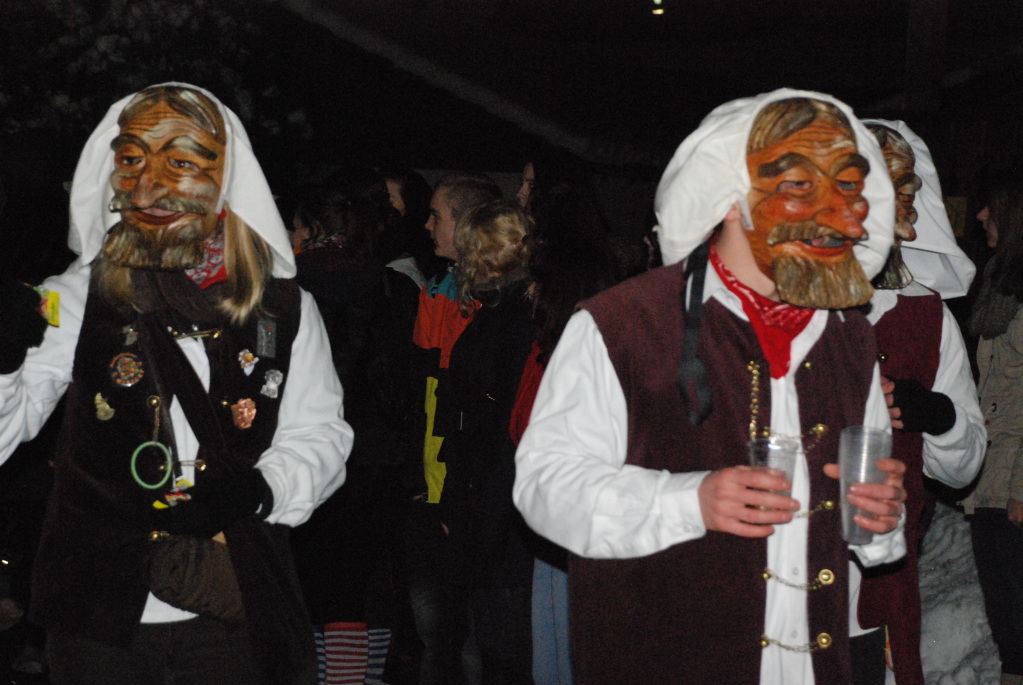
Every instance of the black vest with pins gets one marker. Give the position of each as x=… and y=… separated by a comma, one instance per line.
x=89, y=576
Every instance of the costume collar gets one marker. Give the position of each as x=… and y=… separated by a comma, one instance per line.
x=776, y=324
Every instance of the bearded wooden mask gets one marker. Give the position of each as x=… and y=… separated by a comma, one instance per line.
x=169, y=159
x=806, y=203
x=901, y=162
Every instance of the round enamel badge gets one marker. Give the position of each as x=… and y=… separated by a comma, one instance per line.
x=126, y=369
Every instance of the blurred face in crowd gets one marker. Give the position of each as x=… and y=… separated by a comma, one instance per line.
x=441, y=225
x=528, y=183
x=990, y=229
x=394, y=195
x=167, y=177
x=807, y=209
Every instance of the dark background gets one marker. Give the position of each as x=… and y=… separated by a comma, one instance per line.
x=486, y=84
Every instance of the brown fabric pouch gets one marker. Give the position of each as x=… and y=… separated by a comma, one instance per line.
x=196, y=575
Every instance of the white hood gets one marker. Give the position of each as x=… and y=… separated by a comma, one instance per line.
x=708, y=175
x=245, y=189
x=934, y=258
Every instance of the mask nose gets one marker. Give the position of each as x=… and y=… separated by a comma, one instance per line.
x=837, y=212
x=148, y=189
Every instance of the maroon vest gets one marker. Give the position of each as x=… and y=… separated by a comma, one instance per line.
x=89, y=576
x=694, y=613
x=908, y=346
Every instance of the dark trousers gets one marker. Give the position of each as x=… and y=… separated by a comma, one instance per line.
x=199, y=651
x=998, y=550
x=438, y=604
x=868, y=661
x=501, y=624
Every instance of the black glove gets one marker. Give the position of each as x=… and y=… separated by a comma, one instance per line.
x=214, y=505
x=923, y=410
x=23, y=327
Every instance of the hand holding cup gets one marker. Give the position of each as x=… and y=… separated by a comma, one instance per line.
x=870, y=482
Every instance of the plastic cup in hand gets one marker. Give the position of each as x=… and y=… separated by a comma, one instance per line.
x=774, y=452
x=859, y=450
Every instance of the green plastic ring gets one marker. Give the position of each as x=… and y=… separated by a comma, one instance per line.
x=167, y=471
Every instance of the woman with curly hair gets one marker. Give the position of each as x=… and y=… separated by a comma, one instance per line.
x=488, y=536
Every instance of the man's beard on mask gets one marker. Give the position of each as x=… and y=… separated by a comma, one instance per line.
x=895, y=274
x=809, y=283
x=181, y=247
x=171, y=248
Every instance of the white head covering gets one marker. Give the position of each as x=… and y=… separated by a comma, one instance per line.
x=708, y=175
x=245, y=189
x=934, y=258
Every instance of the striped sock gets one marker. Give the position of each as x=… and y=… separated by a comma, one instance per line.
x=347, y=647
x=379, y=641
x=321, y=656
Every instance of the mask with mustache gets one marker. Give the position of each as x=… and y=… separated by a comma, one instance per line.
x=820, y=284
x=175, y=247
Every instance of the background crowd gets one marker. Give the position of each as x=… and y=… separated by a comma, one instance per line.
x=443, y=302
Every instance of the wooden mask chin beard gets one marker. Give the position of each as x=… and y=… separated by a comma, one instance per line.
x=172, y=247
x=809, y=283
x=895, y=274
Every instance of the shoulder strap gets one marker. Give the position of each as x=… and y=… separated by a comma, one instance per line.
x=692, y=375
x=173, y=372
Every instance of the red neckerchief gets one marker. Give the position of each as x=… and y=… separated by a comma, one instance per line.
x=211, y=269
x=775, y=323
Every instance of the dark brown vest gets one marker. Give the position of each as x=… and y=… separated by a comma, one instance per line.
x=89, y=575
x=694, y=612
x=908, y=346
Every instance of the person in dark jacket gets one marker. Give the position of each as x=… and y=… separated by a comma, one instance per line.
x=487, y=535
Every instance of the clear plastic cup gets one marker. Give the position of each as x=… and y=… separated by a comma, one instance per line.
x=775, y=452
x=859, y=450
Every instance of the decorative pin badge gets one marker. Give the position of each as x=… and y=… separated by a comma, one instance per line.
x=243, y=413
x=266, y=338
x=272, y=384
x=126, y=369
x=247, y=360
x=131, y=336
x=104, y=412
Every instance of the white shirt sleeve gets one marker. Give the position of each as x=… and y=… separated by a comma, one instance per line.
x=572, y=484
x=29, y=395
x=305, y=463
x=955, y=456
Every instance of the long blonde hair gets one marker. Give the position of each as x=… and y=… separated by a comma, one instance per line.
x=491, y=249
x=248, y=263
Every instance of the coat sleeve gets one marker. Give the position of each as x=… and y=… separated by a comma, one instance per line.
x=572, y=484
x=305, y=463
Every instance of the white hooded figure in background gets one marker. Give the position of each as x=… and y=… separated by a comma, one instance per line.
x=201, y=402
x=689, y=566
x=925, y=372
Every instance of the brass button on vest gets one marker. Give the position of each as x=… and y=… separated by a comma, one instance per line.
x=823, y=640
x=826, y=577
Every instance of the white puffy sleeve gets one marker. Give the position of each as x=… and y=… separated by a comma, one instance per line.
x=305, y=463
x=955, y=456
x=572, y=484
x=29, y=395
